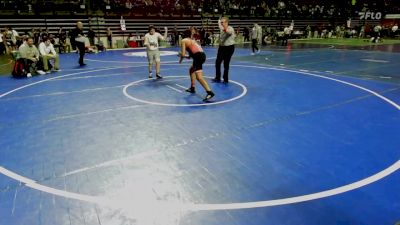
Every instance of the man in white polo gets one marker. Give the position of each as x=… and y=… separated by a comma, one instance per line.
x=48, y=53
x=151, y=41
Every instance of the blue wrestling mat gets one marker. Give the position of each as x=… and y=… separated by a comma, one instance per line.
x=301, y=135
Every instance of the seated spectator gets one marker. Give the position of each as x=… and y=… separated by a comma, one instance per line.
x=62, y=41
x=130, y=37
x=47, y=53
x=30, y=54
x=377, y=34
x=91, y=35
x=131, y=41
x=9, y=39
x=100, y=45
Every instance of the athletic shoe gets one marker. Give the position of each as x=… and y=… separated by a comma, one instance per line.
x=215, y=80
x=252, y=53
x=158, y=76
x=209, y=95
x=258, y=51
x=41, y=72
x=28, y=75
x=150, y=75
x=225, y=81
x=191, y=90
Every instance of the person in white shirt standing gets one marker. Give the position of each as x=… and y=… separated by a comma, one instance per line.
x=394, y=30
x=286, y=35
x=151, y=41
x=48, y=53
x=256, y=36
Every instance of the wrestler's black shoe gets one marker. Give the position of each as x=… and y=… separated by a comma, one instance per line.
x=209, y=95
x=158, y=76
x=191, y=90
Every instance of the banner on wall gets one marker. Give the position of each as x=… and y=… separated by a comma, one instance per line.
x=392, y=16
x=122, y=23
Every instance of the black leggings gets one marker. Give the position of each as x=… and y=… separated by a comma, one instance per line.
x=254, y=45
x=285, y=39
x=224, y=54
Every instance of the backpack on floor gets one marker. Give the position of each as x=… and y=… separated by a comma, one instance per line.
x=19, y=69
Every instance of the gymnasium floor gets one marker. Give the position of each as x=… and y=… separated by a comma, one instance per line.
x=302, y=135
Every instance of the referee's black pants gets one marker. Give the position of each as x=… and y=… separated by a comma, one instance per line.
x=81, y=48
x=224, y=54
